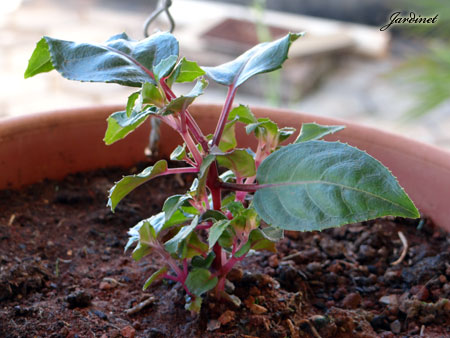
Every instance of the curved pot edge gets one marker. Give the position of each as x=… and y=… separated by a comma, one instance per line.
x=426, y=178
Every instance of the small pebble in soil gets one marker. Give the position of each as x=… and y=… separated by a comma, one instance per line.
x=352, y=300
x=380, y=322
x=128, y=332
x=396, y=326
x=227, y=317
x=257, y=309
x=100, y=314
x=78, y=298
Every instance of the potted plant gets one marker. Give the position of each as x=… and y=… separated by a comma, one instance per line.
x=307, y=185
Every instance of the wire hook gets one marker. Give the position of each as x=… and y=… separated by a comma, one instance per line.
x=164, y=8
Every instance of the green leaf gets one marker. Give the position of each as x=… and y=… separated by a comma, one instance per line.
x=131, y=102
x=129, y=183
x=242, y=114
x=186, y=71
x=284, y=133
x=314, y=131
x=262, y=58
x=156, y=275
x=216, y=231
x=200, y=262
x=172, y=204
x=182, y=102
x=316, y=185
x=259, y=242
x=193, y=304
x=199, y=281
x=119, y=60
x=273, y=233
x=227, y=176
x=164, y=67
x=228, y=141
x=146, y=237
x=172, y=245
x=179, y=153
x=40, y=61
x=151, y=95
x=239, y=161
x=120, y=124
x=264, y=127
x=213, y=215
x=193, y=247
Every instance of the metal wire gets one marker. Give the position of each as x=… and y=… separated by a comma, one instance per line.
x=163, y=7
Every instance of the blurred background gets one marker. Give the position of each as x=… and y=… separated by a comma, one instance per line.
x=344, y=67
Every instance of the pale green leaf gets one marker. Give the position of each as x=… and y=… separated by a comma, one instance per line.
x=314, y=131
x=200, y=280
x=129, y=183
x=262, y=58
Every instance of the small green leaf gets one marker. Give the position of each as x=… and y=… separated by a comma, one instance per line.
x=194, y=247
x=227, y=176
x=120, y=124
x=155, y=276
x=314, y=131
x=213, y=215
x=193, y=305
x=284, y=133
x=179, y=153
x=264, y=127
x=228, y=141
x=129, y=183
x=186, y=71
x=182, y=102
x=172, y=204
x=239, y=161
x=272, y=233
x=147, y=236
x=216, y=231
x=40, y=61
x=316, y=185
x=164, y=68
x=199, y=281
x=259, y=242
x=242, y=114
x=200, y=262
x=151, y=95
x=262, y=58
x=172, y=245
x=131, y=102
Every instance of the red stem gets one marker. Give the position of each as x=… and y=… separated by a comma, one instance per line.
x=224, y=114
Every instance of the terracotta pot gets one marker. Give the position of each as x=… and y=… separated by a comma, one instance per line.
x=53, y=144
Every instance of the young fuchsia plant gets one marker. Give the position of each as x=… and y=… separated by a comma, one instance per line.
x=306, y=185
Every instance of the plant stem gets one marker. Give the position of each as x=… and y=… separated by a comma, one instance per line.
x=242, y=187
x=224, y=114
x=185, y=170
x=192, y=148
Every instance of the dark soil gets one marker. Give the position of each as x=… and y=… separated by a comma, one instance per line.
x=64, y=274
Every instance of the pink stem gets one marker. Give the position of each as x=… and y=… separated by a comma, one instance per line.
x=224, y=114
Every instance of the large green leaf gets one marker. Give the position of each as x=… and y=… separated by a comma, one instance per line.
x=119, y=60
x=262, y=58
x=131, y=182
x=316, y=185
x=216, y=231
